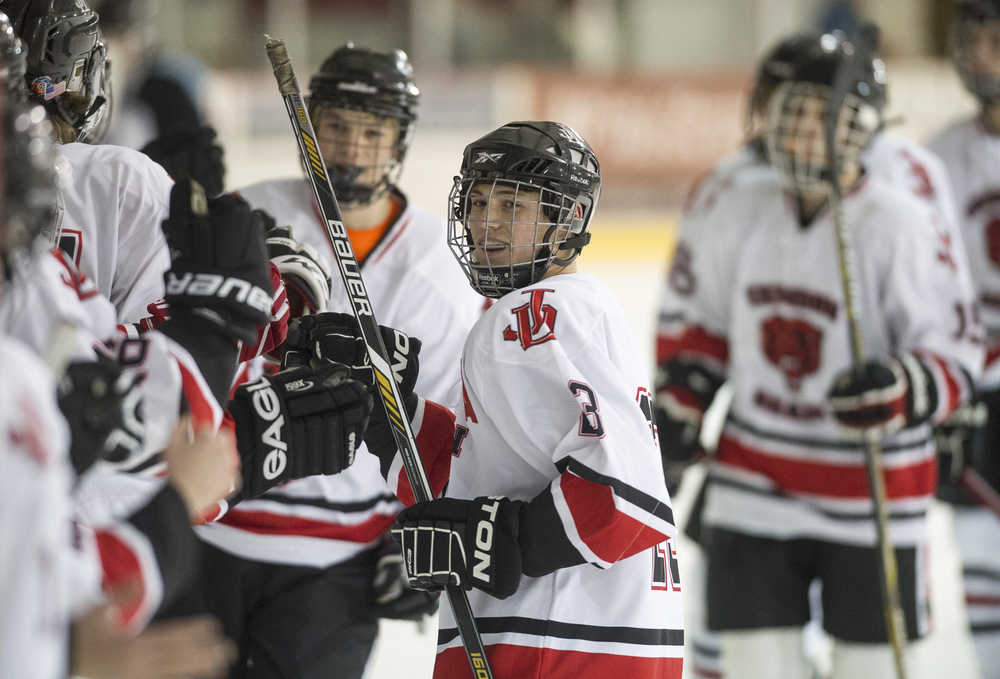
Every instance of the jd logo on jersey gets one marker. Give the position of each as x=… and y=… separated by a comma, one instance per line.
x=535, y=321
x=792, y=346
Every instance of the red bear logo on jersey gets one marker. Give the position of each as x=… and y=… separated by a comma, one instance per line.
x=536, y=322
x=792, y=346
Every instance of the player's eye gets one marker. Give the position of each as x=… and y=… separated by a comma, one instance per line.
x=478, y=203
x=373, y=134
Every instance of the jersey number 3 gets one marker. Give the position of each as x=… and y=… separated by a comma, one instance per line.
x=590, y=418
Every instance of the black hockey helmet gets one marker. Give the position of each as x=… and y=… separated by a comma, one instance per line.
x=379, y=83
x=549, y=158
x=13, y=60
x=68, y=66
x=971, y=15
x=805, y=89
x=30, y=204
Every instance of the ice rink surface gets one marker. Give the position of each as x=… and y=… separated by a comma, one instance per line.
x=631, y=261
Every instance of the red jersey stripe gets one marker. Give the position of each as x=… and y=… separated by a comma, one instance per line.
x=121, y=566
x=266, y=523
x=831, y=480
x=610, y=534
x=695, y=340
x=518, y=662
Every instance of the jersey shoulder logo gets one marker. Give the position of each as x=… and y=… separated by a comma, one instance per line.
x=792, y=346
x=535, y=321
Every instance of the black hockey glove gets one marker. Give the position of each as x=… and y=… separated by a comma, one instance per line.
x=469, y=543
x=882, y=396
x=337, y=337
x=220, y=269
x=684, y=391
x=187, y=152
x=296, y=423
x=103, y=407
x=306, y=275
x=959, y=440
x=391, y=594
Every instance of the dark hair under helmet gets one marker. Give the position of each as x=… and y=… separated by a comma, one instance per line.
x=545, y=157
x=379, y=83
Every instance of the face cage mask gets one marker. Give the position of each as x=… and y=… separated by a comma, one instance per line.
x=983, y=86
x=347, y=177
x=796, y=136
x=517, y=244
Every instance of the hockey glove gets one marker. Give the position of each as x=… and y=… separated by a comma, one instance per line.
x=684, y=391
x=103, y=407
x=296, y=423
x=190, y=153
x=306, y=275
x=469, y=543
x=391, y=594
x=882, y=396
x=959, y=440
x=336, y=337
x=220, y=269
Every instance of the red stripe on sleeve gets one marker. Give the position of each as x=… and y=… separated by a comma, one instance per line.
x=204, y=409
x=694, y=340
x=954, y=390
x=609, y=533
x=508, y=660
x=121, y=566
x=434, y=443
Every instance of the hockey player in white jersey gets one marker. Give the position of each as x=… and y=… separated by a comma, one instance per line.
x=970, y=149
x=323, y=542
x=689, y=377
x=760, y=305
x=556, y=514
x=44, y=561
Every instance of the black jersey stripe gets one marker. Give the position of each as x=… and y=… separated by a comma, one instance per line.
x=839, y=515
x=567, y=630
x=979, y=572
x=836, y=444
x=628, y=493
x=357, y=506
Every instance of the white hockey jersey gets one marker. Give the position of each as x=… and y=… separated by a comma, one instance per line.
x=114, y=201
x=36, y=527
x=555, y=396
x=415, y=285
x=776, y=328
x=53, y=299
x=971, y=156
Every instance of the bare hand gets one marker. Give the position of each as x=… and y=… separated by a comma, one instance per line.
x=203, y=470
x=186, y=647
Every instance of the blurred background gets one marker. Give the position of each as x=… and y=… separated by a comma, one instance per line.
x=658, y=87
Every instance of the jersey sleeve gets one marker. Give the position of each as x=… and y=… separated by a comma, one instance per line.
x=143, y=255
x=929, y=303
x=434, y=433
x=583, y=424
x=694, y=306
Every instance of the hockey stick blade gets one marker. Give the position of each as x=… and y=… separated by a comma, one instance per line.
x=350, y=272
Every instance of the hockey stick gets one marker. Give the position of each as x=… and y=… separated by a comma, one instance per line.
x=377, y=355
x=889, y=573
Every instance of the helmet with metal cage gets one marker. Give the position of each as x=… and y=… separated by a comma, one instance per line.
x=972, y=15
x=377, y=83
x=797, y=111
x=68, y=69
x=30, y=203
x=522, y=203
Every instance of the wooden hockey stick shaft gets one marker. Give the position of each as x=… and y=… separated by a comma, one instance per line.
x=888, y=571
x=399, y=423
